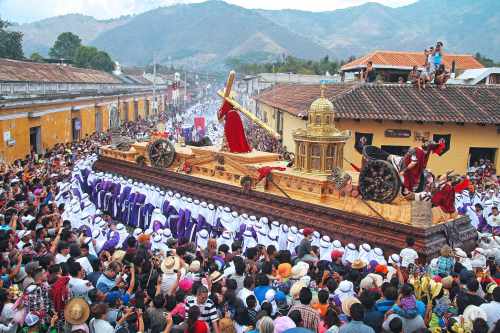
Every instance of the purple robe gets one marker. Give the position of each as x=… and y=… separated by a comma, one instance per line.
x=145, y=216
x=112, y=242
x=119, y=203
x=135, y=209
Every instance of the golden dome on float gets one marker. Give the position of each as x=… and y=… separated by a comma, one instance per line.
x=321, y=104
x=319, y=148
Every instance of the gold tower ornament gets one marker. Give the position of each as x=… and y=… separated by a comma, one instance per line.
x=320, y=146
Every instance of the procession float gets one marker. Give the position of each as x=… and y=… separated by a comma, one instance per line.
x=379, y=202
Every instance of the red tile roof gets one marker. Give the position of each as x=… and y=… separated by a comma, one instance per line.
x=296, y=98
x=406, y=60
x=25, y=71
x=462, y=104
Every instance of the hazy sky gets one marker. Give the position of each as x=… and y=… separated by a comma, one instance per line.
x=22, y=11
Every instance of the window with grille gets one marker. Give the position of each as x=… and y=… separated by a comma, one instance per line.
x=302, y=155
x=315, y=156
x=330, y=157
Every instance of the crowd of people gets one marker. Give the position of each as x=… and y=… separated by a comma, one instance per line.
x=433, y=70
x=85, y=251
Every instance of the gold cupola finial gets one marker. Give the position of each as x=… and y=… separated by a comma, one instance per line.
x=322, y=88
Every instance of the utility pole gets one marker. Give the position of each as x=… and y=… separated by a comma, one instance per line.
x=185, y=87
x=155, y=109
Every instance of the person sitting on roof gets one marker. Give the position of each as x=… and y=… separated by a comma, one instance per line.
x=425, y=76
x=441, y=76
x=369, y=74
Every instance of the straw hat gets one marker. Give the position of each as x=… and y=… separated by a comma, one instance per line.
x=216, y=276
x=77, y=311
x=118, y=255
x=347, y=303
x=195, y=266
x=170, y=264
x=295, y=289
x=358, y=264
x=299, y=270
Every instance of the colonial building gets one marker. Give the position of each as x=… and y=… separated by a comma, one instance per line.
x=396, y=117
x=45, y=104
x=390, y=65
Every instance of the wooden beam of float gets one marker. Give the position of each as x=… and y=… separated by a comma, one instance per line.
x=226, y=95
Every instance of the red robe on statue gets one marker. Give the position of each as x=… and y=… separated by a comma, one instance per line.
x=445, y=199
x=233, y=129
x=411, y=177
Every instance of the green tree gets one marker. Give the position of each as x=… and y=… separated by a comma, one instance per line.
x=485, y=61
x=84, y=56
x=65, y=46
x=102, y=61
x=11, y=42
x=91, y=57
x=36, y=57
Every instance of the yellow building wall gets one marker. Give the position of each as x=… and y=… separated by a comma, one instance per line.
x=56, y=127
x=142, y=111
x=131, y=115
x=457, y=157
x=19, y=130
x=105, y=117
x=87, y=117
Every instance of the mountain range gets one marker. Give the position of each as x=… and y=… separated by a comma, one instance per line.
x=206, y=34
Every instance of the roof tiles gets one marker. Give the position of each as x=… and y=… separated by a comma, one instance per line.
x=462, y=104
x=401, y=59
x=25, y=71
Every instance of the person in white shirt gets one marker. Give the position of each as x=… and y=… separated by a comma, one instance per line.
x=492, y=308
x=77, y=285
x=247, y=290
x=408, y=255
x=62, y=253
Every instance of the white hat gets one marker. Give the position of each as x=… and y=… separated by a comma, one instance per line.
x=234, y=214
x=211, y=206
x=137, y=232
x=167, y=233
x=460, y=253
x=395, y=259
x=227, y=209
x=96, y=233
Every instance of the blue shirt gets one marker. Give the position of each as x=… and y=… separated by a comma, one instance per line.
x=356, y=327
x=260, y=293
x=105, y=284
x=437, y=58
x=383, y=305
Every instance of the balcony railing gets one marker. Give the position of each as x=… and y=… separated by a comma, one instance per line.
x=26, y=89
